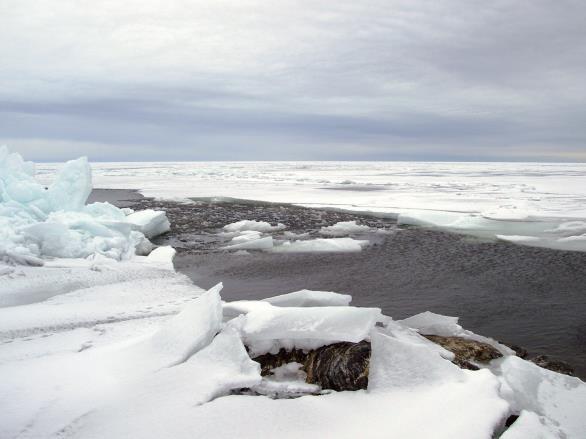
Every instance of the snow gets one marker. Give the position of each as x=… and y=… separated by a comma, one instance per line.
x=307, y=298
x=322, y=245
x=558, y=398
x=149, y=222
x=338, y=323
x=395, y=363
x=98, y=341
x=344, y=228
x=251, y=225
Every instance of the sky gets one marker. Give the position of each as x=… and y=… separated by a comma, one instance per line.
x=153, y=80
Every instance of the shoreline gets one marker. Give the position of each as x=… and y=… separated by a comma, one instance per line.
x=509, y=292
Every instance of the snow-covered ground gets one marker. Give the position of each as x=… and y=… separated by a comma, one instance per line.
x=540, y=204
x=99, y=342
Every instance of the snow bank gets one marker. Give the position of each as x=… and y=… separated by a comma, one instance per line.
x=36, y=223
x=165, y=365
x=320, y=245
x=344, y=228
x=251, y=225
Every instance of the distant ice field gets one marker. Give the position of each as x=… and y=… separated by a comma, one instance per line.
x=541, y=204
x=540, y=189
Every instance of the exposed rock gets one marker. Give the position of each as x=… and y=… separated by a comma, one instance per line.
x=467, y=351
x=519, y=351
x=511, y=420
x=339, y=366
x=552, y=364
x=271, y=361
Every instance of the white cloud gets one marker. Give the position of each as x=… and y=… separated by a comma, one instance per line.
x=106, y=71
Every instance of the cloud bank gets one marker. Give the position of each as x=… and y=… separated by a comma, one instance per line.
x=294, y=80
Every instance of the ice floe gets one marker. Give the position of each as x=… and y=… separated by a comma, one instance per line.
x=344, y=228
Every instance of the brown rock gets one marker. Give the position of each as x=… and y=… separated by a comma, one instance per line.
x=466, y=350
x=552, y=364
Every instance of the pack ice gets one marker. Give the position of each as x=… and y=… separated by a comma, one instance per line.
x=38, y=222
x=116, y=345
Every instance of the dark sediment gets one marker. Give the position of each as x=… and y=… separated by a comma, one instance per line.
x=524, y=296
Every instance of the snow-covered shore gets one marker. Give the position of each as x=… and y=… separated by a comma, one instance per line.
x=103, y=343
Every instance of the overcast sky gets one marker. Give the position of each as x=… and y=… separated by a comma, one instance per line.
x=294, y=80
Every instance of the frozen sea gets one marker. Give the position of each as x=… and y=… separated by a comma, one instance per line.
x=99, y=341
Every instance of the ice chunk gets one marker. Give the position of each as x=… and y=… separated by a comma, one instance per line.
x=163, y=404
x=344, y=228
x=35, y=223
x=251, y=225
x=322, y=245
x=338, y=323
x=162, y=257
x=187, y=332
x=430, y=323
x=399, y=364
x=558, y=398
x=238, y=307
x=72, y=186
x=307, y=298
x=245, y=236
x=265, y=243
x=150, y=222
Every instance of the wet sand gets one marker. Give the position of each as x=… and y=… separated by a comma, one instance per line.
x=532, y=297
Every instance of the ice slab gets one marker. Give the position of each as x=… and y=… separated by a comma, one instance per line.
x=344, y=228
x=265, y=243
x=150, y=222
x=309, y=298
x=399, y=364
x=340, y=323
x=251, y=225
x=322, y=245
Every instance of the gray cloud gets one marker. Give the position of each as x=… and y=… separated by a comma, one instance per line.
x=422, y=80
